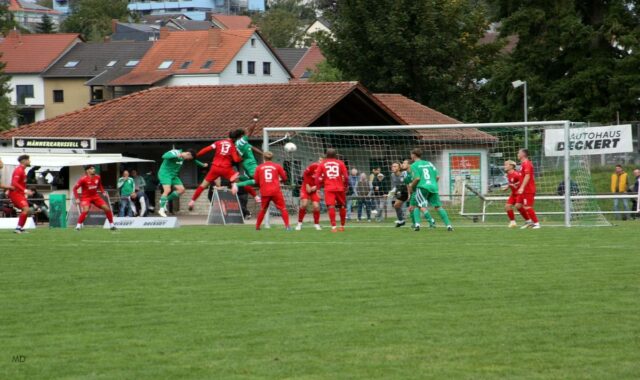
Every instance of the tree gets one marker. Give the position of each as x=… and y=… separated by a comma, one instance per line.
x=283, y=23
x=7, y=21
x=580, y=60
x=325, y=72
x=6, y=110
x=45, y=3
x=426, y=50
x=46, y=25
x=92, y=18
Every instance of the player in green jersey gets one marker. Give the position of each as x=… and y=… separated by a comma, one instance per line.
x=424, y=187
x=249, y=162
x=169, y=175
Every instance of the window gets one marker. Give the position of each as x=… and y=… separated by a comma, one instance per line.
x=58, y=96
x=253, y=42
x=251, y=67
x=207, y=64
x=132, y=63
x=71, y=64
x=111, y=63
x=239, y=67
x=185, y=65
x=24, y=91
x=165, y=65
x=266, y=68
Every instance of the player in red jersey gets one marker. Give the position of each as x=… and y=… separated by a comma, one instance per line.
x=309, y=191
x=18, y=191
x=224, y=157
x=527, y=191
x=513, y=178
x=90, y=184
x=333, y=173
x=267, y=177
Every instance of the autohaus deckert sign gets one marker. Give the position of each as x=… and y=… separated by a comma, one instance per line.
x=81, y=143
x=587, y=141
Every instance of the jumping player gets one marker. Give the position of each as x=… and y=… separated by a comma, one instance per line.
x=267, y=177
x=333, y=173
x=18, y=191
x=527, y=191
x=169, y=175
x=90, y=184
x=309, y=191
x=425, y=186
x=225, y=155
x=249, y=162
x=513, y=179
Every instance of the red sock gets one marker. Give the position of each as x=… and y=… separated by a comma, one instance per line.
x=82, y=217
x=285, y=217
x=197, y=193
x=511, y=215
x=301, y=213
x=250, y=190
x=332, y=216
x=523, y=212
x=532, y=215
x=109, y=215
x=261, y=215
x=316, y=216
x=22, y=220
x=343, y=216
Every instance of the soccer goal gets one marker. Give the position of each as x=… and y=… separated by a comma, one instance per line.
x=469, y=158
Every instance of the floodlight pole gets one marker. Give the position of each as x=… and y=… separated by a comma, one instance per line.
x=567, y=175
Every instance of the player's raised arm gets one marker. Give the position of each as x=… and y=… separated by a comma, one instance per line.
x=205, y=150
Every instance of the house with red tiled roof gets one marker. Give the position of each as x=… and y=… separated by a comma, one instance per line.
x=26, y=57
x=148, y=123
x=302, y=62
x=209, y=57
x=231, y=21
x=29, y=15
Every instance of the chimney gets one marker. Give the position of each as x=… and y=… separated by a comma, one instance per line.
x=164, y=33
x=114, y=25
x=215, y=37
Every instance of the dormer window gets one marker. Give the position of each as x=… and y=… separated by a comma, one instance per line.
x=132, y=63
x=165, y=65
x=111, y=63
x=207, y=65
x=71, y=64
x=185, y=65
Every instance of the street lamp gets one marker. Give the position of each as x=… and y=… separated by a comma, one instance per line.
x=516, y=84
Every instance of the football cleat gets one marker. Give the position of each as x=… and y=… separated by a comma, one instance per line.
x=527, y=224
x=113, y=228
x=450, y=228
x=334, y=229
x=341, y=229
x=299, y=227
x=162, y=212
x=318, y=227
x=400, y=223
x=535, y=226
x=416, y=227
x=513, y=224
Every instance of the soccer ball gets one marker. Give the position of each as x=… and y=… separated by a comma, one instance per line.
x=290, y=147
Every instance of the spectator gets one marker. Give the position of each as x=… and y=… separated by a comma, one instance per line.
x=138, y=181
x=37, y=204
x=635, y=189
x=374, y=173
x=2, y=187
x=151, y=184
x=363, y=189
x=351, y=192
x=573, y=188
x=126, y=187
x=139, y=201
x=618, y=186
x=6, y=206
x=31, y=176
x=379, y=186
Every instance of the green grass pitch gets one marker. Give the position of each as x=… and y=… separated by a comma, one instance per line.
x=370, y=303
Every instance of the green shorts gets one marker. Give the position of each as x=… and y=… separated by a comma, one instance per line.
x=250, y=168
x=423, y=198
x=166, y=179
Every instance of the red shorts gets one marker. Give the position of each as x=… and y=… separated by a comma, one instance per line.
x=513, y=199
x=18, y=199
x=315, y=197
x=277, y=200
x=95, y=200
x=526, y=199
x=217, y=171
x=335, y=198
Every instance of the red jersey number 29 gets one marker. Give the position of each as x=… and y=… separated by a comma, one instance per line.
x=333, y=170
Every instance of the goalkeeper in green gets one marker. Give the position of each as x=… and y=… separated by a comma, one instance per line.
x=249, y=162
x=169, y=175
x=424, y=189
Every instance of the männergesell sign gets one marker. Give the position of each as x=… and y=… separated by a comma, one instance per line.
x=588, y=141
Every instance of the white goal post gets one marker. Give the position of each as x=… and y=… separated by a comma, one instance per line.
x=363, y=145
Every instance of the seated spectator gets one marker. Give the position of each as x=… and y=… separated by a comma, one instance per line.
x=37, y=204
x=140, y=203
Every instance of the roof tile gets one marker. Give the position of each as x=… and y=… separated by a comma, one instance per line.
x=33, y=53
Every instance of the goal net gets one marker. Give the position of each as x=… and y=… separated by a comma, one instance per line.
x=469, y=158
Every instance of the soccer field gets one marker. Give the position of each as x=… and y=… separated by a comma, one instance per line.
x=233, y=303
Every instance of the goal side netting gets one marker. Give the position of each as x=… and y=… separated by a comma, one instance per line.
x=469, y=158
